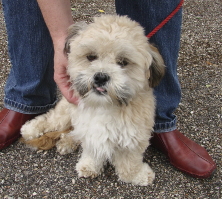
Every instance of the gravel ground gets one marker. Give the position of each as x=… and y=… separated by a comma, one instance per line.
x=30, y=174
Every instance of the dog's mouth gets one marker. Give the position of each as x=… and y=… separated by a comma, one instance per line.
x=99, y=90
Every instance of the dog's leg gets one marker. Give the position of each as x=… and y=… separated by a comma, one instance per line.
x=88, y=166
x=130, y=168
x=57, y=119
x=66, y=144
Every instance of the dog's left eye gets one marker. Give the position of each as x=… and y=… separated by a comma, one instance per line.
x=91, y=57
x=122, y=63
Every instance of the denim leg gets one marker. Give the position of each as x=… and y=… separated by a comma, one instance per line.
x=149, y=13
x=30, y=87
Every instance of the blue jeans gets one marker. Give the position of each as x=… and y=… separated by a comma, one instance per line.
x=30, y=87
x=149, y=13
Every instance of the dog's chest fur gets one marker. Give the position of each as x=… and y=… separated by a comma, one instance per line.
x=104, y=129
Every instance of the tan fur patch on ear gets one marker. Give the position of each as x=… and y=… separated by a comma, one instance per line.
x=73, y=31
x=147, y=74
x=157, y=68
x=153, y=48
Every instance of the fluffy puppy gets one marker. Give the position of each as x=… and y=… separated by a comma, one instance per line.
x=112, y=69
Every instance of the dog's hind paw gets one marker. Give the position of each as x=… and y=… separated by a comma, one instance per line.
x=66, y=144
x=29, y=132
x=86, y=167
x=86, y=173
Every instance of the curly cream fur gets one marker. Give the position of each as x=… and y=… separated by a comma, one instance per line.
x=113, y=120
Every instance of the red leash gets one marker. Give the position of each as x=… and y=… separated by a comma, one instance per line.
x=166, y=19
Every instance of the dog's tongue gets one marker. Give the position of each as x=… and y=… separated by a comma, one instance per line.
x=100, y=89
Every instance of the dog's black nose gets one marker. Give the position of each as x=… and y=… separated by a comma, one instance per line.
x=101, y=78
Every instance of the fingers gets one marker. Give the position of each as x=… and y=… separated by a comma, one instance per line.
x=61, y=77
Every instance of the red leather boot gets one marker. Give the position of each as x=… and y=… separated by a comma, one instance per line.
x=184, y=154
x=10, y=124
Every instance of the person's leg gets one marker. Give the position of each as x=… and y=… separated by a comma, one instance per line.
x=149, y=13
x=30, y=88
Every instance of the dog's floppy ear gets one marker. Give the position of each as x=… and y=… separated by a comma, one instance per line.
x=157, y=68
x=73, y=31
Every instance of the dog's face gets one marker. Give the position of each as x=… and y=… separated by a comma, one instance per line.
x=111, y=61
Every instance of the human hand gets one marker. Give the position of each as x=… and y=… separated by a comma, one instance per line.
x=58, y=17
x=60, y=73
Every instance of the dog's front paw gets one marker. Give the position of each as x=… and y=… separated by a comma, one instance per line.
x=86, y=168
x=66, y=144
x=29, y=131
x=144, y=177
x=141, y=175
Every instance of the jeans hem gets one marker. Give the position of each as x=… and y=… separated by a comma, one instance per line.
x=25, y=109
x=165, y=127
